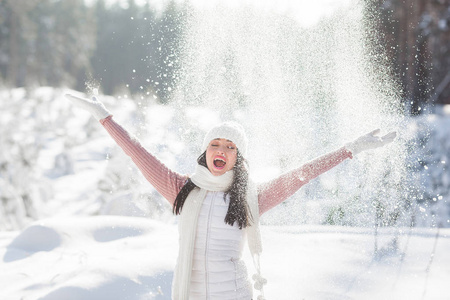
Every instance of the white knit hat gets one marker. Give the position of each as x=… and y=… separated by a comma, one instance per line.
x=231, y=131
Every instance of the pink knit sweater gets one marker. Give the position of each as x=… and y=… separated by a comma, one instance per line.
x=168, y=183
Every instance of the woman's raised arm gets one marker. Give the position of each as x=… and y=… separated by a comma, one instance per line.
x=276, y=191
x=272, y=193
x=167, y=182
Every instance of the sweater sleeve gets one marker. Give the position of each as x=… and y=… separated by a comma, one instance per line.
x=167, y=182
x=279, y=189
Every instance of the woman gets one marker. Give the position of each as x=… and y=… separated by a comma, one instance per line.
x=219, y=206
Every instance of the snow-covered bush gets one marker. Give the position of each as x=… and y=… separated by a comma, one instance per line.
x=37, y=136
x=22, y=137
x=429, y=167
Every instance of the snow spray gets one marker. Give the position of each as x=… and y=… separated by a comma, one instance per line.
x=303, y=79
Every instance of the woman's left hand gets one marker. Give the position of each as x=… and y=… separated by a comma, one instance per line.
x=370, y=141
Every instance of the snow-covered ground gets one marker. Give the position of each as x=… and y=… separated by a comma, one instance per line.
x=101, y=232
x=116, y=257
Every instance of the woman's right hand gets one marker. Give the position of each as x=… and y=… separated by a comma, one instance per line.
x=95, y=107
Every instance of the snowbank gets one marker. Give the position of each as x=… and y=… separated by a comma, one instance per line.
x=113, y=257
x=89, y=258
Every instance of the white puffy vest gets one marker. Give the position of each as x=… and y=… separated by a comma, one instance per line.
x=218, y=271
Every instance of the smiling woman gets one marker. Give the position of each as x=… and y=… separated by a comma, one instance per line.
x=221, y=156
x=219, y=206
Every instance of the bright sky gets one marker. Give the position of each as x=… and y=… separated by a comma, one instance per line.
x=307, y=12
x=157, y=3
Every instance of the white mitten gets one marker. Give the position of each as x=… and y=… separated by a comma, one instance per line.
x=370, y=141
x=95, y=107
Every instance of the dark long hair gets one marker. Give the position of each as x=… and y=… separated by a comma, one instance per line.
x=238, y=210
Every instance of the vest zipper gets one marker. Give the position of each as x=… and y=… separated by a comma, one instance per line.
x=208, y=228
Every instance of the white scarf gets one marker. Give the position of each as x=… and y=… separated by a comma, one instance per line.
x=187, y=228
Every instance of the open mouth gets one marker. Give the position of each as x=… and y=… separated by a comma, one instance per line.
x=219, y=162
